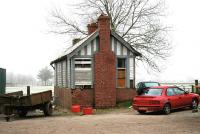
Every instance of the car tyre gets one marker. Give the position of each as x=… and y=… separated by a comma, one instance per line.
x=167, y=109
x=141, y=111
x=194, y=104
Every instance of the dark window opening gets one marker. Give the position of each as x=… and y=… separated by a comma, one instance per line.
x=82, y=65
x=83, y=86
x=121, y=63
x=131, y=84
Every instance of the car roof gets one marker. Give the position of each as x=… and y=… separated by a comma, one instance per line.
x=163, y=86
x=148, y=82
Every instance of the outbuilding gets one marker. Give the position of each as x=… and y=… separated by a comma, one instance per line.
x=98, y=70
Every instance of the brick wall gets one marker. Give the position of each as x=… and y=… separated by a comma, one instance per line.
x=105, y=82
x=67, y=97
x=125, y=94
x=83, y=97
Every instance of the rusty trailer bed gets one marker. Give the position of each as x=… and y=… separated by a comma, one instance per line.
x=16, y=103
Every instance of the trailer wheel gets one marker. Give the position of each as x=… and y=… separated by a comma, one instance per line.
x=48, y=110
x=7, y=118
x=22, y=113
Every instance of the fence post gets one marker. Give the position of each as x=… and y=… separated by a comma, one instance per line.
x=196, y=84
x=28, y=90
x=192, y=88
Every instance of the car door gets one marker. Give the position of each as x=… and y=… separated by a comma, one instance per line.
x=187, y=99
x=181, y=97
x=172, y=98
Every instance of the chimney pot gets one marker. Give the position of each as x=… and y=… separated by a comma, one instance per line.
x=92, y=28
x=76, y=40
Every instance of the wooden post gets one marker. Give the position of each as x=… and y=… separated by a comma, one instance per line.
x=28, y=90
x=192, y=88
x=196, y=84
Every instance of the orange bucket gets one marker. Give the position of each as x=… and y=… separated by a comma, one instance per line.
x=87, y=110
x=75, y=108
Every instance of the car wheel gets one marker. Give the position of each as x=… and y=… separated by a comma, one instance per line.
x=167, y=109
x=194, y=104
x=141, y=111
x=22, y=113
x=48, y=109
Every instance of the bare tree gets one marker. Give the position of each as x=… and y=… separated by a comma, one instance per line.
x=13, y=79
x=45, y=74
x=137, y=21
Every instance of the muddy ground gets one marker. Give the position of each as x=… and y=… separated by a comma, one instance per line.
x=117, y=121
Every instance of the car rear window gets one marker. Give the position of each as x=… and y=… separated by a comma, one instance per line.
x=151, y=84
x=153, y=92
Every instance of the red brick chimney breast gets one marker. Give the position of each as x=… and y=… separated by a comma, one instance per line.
x=104, y=67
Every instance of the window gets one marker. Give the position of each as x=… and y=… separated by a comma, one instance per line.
x=151, y=84
x=170, y=92
x=153, y=92
x=83, y=72
x=121, y=73
x=121, y=63
x=179, y=91
x=131, y=84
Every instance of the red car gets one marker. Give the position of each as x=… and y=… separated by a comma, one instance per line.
x=164, y=98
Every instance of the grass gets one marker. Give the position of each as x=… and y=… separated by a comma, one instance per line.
x=125, y=104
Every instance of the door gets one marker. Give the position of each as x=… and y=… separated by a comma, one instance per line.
x=181, y=96
x=185, y=98
x=172, y=98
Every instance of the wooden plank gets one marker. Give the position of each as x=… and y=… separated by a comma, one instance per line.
x=121, y=83
x=121, y=73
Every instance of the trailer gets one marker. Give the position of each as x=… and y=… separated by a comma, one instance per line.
x=16, y=103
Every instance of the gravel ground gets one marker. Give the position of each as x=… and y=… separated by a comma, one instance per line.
x=115, y=122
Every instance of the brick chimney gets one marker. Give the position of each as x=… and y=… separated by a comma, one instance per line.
x=104, y=67
x=104, y=32
x=92, y=27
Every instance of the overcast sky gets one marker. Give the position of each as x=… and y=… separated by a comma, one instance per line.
x=26, y=46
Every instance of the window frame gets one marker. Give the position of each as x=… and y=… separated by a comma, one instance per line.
x=82, y=62
x=125, y=71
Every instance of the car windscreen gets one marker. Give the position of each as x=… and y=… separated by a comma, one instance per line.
x=151, y=84
x=153, y=92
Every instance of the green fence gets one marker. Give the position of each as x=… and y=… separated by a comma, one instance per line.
x=2, y=80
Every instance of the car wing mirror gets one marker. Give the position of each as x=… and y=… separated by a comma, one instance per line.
x=186, y=92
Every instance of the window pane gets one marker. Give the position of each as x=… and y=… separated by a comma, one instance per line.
x=179, y=91
x=121, y=63
x=170, y=92
x=151, y=84
x=83, y=73
x=153, y=92
x=82, y=65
